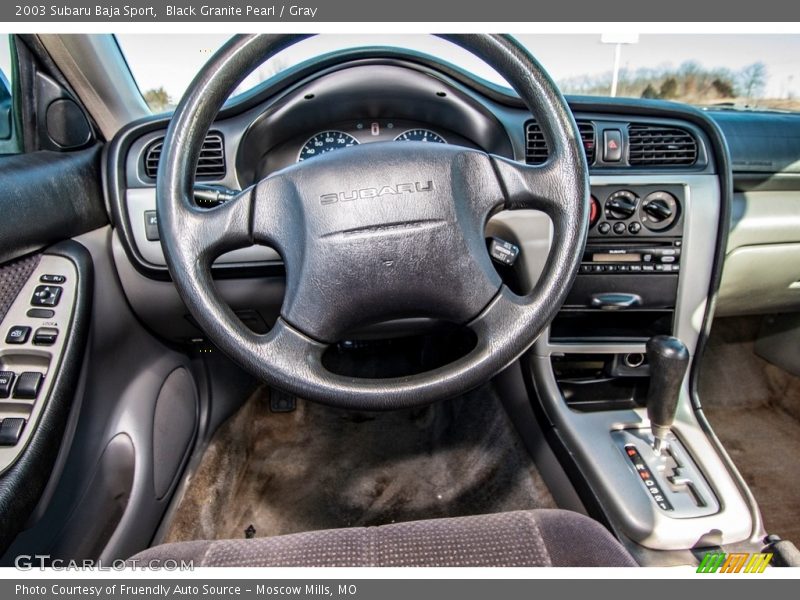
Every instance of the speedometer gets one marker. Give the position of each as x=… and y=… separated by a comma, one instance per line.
x=326, y=141
x=420, y=135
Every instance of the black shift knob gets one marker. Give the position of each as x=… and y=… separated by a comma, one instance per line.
x=668, y=359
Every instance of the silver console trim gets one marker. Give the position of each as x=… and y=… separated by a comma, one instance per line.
x=586, y=435
x=683, y=504
x=30, y=357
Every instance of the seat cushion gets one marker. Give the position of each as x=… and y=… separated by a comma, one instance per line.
x=536, y=538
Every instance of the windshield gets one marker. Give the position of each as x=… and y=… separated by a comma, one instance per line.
x=736, y=71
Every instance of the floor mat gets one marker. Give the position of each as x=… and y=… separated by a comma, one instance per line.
x=754, y=408
x=764, y=443
x=320, y=468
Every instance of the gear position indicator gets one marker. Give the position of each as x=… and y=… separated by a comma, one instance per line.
x=647, y=478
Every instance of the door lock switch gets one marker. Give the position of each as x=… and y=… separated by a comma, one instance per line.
x=18, y=334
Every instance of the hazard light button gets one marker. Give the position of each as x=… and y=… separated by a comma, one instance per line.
x=612, y=145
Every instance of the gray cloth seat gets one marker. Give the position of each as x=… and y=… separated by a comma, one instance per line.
x=535, y=538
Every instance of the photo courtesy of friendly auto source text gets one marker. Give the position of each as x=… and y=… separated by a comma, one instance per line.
x=361, y=300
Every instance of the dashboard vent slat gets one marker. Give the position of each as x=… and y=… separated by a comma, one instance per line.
x=657, y=145
x=536, y=150
x=210, y=165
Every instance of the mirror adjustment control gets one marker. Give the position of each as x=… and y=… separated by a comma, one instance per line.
x=18, y=334
x=28, y=384
x=50, y=278
x=11, y=430
x=46, y=295
x=6, y=381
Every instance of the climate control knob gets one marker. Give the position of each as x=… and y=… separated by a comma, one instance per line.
x=659, y=211
x=621, y=205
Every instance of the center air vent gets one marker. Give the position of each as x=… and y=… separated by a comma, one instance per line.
x=656, y=145
x=211, y=164
x=536, y=148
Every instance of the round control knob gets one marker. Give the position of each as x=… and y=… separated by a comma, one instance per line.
x=604, y=227
x=659, y=211
x=635, y=227
x=621, y=205
x=619, y=228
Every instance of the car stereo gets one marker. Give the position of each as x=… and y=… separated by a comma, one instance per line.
x=627, y=282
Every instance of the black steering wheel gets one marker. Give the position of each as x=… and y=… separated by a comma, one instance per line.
x=376, y=232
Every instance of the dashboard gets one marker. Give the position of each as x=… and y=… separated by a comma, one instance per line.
x=644, y=158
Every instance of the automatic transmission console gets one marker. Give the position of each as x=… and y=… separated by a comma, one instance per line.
x=657, y=458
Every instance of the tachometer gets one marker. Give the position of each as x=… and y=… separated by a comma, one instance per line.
x=420, y=135
x=326, y=141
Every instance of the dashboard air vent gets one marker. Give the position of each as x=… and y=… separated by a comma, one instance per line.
x=657, y=145
x=536, y=148
x=211, y=164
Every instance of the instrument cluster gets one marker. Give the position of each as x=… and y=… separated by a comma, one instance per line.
x=338, y=135
x=363, y=132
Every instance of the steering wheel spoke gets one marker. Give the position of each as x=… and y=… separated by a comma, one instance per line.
x=208, y=233
x=548, y=187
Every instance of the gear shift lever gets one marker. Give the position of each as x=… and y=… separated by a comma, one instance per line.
x=668, y=358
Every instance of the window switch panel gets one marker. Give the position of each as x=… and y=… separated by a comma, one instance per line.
x=28, y=385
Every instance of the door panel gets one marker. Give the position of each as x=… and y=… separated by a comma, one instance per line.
x=48, y=197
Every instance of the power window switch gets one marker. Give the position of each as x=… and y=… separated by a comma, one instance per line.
x=45, y=336
x=18, y=334
x=11, y=431
x=28, y=385
x=6, y=381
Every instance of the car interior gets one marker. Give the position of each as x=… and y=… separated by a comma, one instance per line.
x=377, y=310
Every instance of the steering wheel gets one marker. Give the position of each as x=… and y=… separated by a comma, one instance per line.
x=376, y=232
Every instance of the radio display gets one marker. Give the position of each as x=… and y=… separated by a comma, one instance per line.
x=605, y=257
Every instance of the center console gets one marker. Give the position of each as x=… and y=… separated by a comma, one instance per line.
x=645, y=275
x=626, y=290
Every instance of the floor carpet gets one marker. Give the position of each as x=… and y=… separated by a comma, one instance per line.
x=321, y=468
x=754, y=408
